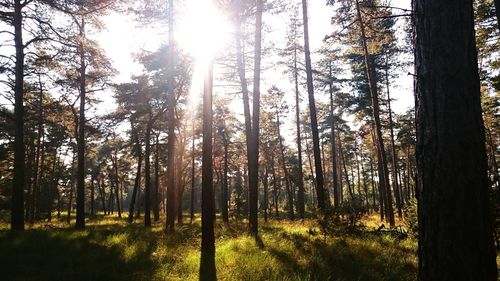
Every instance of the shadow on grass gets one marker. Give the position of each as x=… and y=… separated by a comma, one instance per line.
x=360, y=258
x=69, y=255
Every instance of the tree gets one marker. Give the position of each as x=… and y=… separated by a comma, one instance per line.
x=455, y=228
x=291, y=51
x=207, y=263
x=320, y=192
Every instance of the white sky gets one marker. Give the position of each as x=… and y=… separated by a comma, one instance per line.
x=122, y=38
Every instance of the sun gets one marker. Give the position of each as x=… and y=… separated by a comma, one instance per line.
x=202, y=29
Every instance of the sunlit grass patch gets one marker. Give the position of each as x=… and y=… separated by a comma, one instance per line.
x=112, y=249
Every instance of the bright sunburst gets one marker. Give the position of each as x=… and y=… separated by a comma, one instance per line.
x=202, y=29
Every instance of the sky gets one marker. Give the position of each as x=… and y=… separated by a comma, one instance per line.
x=122, y=38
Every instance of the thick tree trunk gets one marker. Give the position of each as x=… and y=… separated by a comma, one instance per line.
x=454, y=218
x=18, y=182
x=320, y=192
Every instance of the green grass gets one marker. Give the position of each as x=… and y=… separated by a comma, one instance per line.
x=110, y=249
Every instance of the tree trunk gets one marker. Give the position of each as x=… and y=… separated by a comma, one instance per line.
x=266, y=188
x=382, y=159
x=117, y=183
x=147, y=175
x=455, y=224
x=253, y=161
x=170, y=224
x=179, y=181
x=137, y=181
x=224, y=195
x=207, y=263
x=397, y=190
x=193, y=170
x=80, y=187
x=300, y=194
x=18, y=181
x=156, y=203
x=291, y=214
x=320, y=193
x=336, y=201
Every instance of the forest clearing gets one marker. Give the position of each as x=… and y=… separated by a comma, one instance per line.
x=250, y=140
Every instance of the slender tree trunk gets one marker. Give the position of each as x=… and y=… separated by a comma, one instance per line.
x=147, y=174
x=291, y=214
x=382, y=159
x=300, y=194
x=137, y=182
x=374, y=198
x=170, y=224
x=114, y=160
x=92, y=190
x=80, y=187
x=397, y=189
x=156, y=203
x=193, y=170
x=336, y=201
x=37, y=169
x=207, y=263
x=266, y=187
x=253, y=168
x=454, y=218
x=320, y=192
x=275, y=189
x=18, y=182
x=224, y=195
x=71, y=187
x=179, y=180
x=100, y=186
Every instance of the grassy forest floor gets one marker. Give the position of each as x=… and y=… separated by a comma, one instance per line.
x=110, y=249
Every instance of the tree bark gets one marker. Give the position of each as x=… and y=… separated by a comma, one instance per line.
x=80, y=186
x=320, y=192
x=454, y=217
x=207, y=263
x=18, y=182
x=253, y=168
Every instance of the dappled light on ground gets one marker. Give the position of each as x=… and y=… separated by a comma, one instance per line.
x=112, y=250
